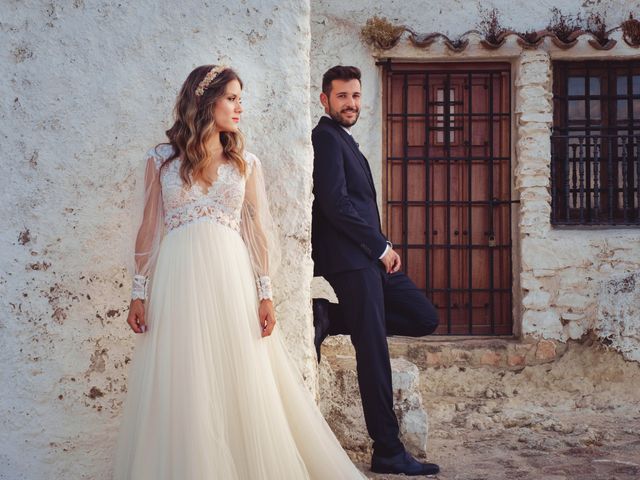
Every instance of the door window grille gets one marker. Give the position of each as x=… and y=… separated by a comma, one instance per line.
x=447, y=192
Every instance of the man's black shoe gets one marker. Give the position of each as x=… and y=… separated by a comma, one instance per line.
x=320, y=322
x=403, y=462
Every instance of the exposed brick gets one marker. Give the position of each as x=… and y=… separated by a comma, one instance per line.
x=515, y=360
x=491, y=358
x=433, y=358
x=546, y=350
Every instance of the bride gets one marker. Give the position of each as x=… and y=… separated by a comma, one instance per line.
x=212, y=392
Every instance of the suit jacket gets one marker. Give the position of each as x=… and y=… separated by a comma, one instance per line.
x=345, y=230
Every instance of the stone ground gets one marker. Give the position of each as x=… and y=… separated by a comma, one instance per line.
x=577, y=417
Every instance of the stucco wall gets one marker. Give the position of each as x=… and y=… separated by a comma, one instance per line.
x=87, y=88
x=557, y=273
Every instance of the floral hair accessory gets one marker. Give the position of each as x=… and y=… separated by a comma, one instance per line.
x=209, y=77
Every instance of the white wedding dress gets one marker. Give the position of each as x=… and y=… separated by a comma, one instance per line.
x=208, y=397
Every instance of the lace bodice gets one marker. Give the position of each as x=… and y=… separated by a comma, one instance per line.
x=221, y=202
x=234, y=200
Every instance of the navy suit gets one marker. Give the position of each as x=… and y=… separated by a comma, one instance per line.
x=347, y=242
x=345, y=222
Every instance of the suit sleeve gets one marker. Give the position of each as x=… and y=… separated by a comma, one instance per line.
x=330, y=189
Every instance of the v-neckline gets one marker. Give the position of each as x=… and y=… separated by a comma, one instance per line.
x=205, y=190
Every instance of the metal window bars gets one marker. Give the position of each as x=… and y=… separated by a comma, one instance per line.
x=595, y=179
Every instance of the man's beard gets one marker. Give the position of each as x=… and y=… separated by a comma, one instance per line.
x=338, y=117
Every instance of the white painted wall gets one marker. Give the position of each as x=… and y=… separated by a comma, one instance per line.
x=87, y=87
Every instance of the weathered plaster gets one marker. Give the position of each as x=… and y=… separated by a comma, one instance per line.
x=87, y=88
x=618, y=316
x=561, y=269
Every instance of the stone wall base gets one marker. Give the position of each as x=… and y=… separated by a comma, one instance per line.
x=411, y=358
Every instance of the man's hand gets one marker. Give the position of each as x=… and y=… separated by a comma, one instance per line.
x=267, y=317
x=391, y=261
x=136, y=316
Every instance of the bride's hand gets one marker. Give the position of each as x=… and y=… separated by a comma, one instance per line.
x=136, y=316
x=267, y=317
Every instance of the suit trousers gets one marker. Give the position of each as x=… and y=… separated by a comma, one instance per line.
x=374, y=304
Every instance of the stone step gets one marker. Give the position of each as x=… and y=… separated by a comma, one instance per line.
x=339, y=396
x=441, y=351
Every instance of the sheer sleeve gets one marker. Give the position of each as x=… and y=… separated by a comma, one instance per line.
x=258, y=230
x=151, y=228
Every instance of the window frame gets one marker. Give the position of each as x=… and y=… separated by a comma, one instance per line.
x=595, y=170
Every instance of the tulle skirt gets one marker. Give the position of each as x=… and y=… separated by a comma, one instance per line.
x=208, y=397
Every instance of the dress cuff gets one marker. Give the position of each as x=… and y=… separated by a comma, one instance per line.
x=140, y=287
x=264, y=288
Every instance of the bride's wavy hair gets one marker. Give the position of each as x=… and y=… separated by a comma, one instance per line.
x=194, y=124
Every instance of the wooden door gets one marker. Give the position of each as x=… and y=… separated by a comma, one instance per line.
x=448, y=189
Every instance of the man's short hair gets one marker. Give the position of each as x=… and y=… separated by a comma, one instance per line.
x=339, y=72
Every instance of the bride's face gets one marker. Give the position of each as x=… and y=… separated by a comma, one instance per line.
x=228, y=108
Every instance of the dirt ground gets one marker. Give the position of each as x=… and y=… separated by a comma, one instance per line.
x=575, y=418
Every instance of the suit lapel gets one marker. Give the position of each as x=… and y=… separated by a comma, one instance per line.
x=356, y=151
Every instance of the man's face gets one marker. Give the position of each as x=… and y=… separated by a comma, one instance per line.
x=343, y=103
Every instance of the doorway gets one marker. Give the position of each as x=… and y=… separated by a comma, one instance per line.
x=448, y=188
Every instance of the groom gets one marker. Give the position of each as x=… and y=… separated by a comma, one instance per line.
x=352, y=254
